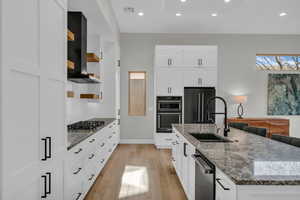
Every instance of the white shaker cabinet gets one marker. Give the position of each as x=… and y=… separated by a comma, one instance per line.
x=33, y=76
x=169, y=56
x=200, y=78
x=169, y=83
x=200, y=56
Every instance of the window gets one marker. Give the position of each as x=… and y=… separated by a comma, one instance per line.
x=137, y=93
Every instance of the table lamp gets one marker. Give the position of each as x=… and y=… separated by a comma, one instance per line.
x=240, y=100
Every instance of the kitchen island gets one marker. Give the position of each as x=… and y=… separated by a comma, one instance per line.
x=255, y=167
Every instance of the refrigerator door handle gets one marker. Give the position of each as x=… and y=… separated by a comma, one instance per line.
x=199, y=106
x=203, y=118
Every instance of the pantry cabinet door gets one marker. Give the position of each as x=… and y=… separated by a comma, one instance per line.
x=169, y=56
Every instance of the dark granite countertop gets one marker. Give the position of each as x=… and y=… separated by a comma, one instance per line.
x=75, y=137
x=251, y=159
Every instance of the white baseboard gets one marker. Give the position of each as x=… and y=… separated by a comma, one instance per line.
x=137, y=141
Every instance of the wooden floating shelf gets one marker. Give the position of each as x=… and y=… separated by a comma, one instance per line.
x=71, y=36
x=70, y=94
x=89, y=96
x=91, y=57
x=71, y=65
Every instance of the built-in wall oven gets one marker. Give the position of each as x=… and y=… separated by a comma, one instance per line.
x=169, y=111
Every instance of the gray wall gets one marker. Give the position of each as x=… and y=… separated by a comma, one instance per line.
x=236, y=75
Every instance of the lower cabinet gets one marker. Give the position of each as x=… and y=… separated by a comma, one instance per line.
x=163, y=140
x=184, y=164
x=86, y=160
x=225, y=188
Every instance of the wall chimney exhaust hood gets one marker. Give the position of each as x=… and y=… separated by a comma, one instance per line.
x=77, y=49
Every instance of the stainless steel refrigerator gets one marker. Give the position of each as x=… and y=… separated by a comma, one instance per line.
x=197, y=107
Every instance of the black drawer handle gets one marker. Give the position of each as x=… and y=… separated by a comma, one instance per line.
x=219, y=182
x=102, y=161
x=109, y=137
x=92, y=156
x=45, y=150
x=78, y=196
x=114, y=133
x=92, y=176
x=102, y=145
x=44, y=177
x=78, y=170
x=184, y=149
x=79, y=150
x=91, y=141
x=49, y=183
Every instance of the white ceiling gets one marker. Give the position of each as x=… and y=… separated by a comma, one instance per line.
x=238, y=16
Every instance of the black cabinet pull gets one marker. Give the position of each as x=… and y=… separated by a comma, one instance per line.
x=102, y=161
x=91, y=141
x=49, y=183
x=49, y=139
x=79, y=150
x=102, y=145
x=219, y=182
x=44, y=177
x=79, y=169
x=79, y=195
x=92, y=156
x=184, y=149
x=92, y=176
x=110, y=137
x=45, y=149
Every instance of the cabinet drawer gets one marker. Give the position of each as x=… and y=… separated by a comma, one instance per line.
x=225, y=188
x=75, y=191
x=74, y=171
x=163, y=140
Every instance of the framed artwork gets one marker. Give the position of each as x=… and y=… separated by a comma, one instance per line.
x=284, y=94
x=278, y=62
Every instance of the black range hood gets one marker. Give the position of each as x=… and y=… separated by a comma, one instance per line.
x=77, y=49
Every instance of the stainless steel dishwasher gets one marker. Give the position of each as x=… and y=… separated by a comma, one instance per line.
x=205, y=174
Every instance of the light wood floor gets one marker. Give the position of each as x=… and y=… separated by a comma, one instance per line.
x=138, y=172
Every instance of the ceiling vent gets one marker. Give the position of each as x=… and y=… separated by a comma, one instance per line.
x=129, y=10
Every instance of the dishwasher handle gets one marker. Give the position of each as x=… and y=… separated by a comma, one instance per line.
x=199, y=161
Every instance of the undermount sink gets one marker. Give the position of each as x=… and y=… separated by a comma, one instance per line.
x=209, y=137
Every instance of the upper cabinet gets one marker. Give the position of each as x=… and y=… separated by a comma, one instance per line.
x=200, y=56
x=169, y=56
x=186, y=56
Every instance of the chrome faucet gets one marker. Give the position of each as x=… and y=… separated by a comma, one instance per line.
x=226, y=128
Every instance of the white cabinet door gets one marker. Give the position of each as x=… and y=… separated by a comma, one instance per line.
x=52, y=182
x=169, y=56
x=200, y=78
x=191, y=173
x=200, y=56
x=193, y=78
x=169, y=82
x=176, y=83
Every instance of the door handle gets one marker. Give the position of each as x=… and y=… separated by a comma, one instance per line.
x=49, y=183
x=79, y=195
x=45, y=149
x=184, y=149
x=205, y=166
x=221, y=184
x=158, y=121
x=44, y=177
x=199, y=106
x=202, y=101
x=49, y=139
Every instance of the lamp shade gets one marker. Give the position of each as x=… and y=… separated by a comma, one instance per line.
x=240, y=99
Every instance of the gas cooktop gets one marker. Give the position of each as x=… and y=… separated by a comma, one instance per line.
x=89, y=125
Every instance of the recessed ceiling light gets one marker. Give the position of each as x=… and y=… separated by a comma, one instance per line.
x=282, y=14
x=227, y=1
x=214, y=14
x=183, y=1
x=178, y=14
x=141, y=14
